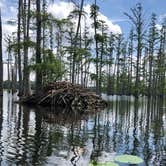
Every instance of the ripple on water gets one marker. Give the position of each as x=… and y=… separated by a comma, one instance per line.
x=27, y=139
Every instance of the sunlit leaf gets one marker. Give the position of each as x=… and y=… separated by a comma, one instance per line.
x=111, y=164
x=130, y=159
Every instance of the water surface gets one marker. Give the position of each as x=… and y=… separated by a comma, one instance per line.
x=34, y=136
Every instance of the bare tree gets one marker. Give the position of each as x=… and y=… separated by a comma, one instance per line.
x=136, y=18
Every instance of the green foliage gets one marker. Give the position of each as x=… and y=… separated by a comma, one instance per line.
x=14, y=46
x=93, y=76
x=51, y=67
x=94, y=10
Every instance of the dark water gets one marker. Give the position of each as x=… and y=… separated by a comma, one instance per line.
x=30, y=136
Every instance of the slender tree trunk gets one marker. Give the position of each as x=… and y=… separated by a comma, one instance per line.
x=118, y=65
x=130, y=53
x=14, y=87
x=18, y=49
x=139, y=50
x=26, y=81
x=110, y=85
x=44, y=25
x=152, y=39
x=9, y=66
x=101, y=59
x=51, y=36
x=44, y=81
x=137, y=20
x=1, y=58
x=161, y=63
x=38, y=49
x=75, y=41
x=97, y=54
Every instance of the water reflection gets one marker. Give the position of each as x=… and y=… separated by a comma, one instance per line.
x=1, y=121
x=35, y=136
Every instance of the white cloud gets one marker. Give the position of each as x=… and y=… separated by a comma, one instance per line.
x=112, y=27
x=9, y=29
x=119, y=20
x=158, y=26
x=62, y=10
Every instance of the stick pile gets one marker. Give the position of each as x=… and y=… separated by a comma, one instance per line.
x=67, y=95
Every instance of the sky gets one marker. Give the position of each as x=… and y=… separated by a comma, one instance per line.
x=114, y=10
x=111, y=11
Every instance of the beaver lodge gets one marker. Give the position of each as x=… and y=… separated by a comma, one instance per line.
x=68, y=96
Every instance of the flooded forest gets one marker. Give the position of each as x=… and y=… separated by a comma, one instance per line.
x=79, y=88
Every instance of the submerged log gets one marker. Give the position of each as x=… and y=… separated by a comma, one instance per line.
x=68, y=96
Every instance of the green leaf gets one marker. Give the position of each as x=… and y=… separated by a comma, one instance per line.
x=111, y=164
x=130, y=159
x=103, y=164
x=96, y=164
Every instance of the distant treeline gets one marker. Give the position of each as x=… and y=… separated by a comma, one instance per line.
x=15, y=86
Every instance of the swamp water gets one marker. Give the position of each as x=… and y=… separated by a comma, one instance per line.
x=32, y=136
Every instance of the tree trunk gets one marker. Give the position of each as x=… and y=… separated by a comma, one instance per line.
x=75, y=41
x=137, y=20
x=18, y=49
x=152, y=39
x=1, y=59
x=26, y=22
x=38, y=49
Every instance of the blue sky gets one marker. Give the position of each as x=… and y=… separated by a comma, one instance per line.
x=114, y=10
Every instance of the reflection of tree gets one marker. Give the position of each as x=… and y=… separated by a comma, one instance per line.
x=128, y=124
x=1, y=121
x=153, y=135
x=106, y=135
x=18, y=133
x=131, y=127
x=39, y=151
x=146, y=149
x=128, y=127
x=77, y=138
x=55, y=137
x=25, y=130
x=158, y=131
x=17, y=119
x=96, y=140
x=135, y=129
x=115, y=126
x=101, y=138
